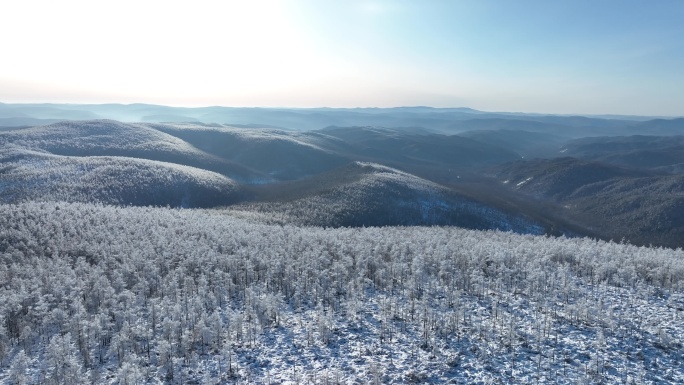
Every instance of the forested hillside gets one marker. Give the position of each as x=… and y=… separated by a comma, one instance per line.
x=642, y=206
x=27, y=175
x=112, y=295
x=485, y=177
x=369, y=194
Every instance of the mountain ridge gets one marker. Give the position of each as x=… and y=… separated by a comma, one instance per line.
x=298, y=173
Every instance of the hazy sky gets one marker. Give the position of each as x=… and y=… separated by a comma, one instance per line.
x=574, y=56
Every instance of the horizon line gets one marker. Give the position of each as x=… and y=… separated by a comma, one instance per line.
x=350, y=108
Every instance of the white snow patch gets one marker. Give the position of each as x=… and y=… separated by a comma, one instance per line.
x=525, y=181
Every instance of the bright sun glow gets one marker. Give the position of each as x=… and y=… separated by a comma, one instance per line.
x=559, y=57
x=159, y=48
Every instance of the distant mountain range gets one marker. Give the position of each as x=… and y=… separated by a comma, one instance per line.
x=607, y=177
x=442, y=120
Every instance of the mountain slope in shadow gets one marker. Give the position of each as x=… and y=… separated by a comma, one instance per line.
x=281, y=155
x=368, y=194
x=289, y=155
x=528, y=144
x=558, y=178
x=642, y=206
x=655, y=152
x=405, y=146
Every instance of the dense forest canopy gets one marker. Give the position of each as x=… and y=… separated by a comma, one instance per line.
x=104, y=294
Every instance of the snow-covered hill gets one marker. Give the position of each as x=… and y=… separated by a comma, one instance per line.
x=27, y=175
x=282, y=155
x=112, y=138
x=112, y=295
x=97, y=137
x=370, y=194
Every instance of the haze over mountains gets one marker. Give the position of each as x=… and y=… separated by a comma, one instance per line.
x=438, y=119
x=601, y=176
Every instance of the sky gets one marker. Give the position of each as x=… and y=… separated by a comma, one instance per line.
x=564, y=56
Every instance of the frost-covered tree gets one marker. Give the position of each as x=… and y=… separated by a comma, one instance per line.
x=18, y=371
x=64, y=366
x=179, y=295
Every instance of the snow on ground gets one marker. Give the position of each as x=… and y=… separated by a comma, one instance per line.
x=37, y=175
x=629, y=339
x=112, y=295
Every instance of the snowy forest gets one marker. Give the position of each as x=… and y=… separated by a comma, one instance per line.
x=97, y=294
